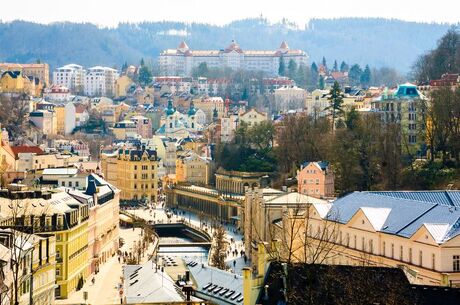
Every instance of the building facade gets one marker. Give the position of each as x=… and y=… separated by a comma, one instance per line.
x=71, y=76
x=316, y=179
x=134, y=172
x=40, y=71
x=100, y=81
x=181, y=61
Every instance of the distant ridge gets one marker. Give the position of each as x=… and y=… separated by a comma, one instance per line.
x=375, y=41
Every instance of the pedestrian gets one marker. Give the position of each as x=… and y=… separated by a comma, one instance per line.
x=93, y=280
x=234, y=264
x=118, y=259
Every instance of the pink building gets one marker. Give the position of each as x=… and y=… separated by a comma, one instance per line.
x=144, y=126
x=316, y=179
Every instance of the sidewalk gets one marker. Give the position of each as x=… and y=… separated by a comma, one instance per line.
x=105, y=288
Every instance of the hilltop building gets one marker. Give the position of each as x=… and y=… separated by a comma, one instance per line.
x=181, y=61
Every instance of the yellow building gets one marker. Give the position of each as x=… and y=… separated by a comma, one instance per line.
x=193, y=169
x=40, y=71
x=207, y=105
x=253, y=117
x=59, y=214
x=134, y=172
x=12, y=82
x=44, y=269
x=60, y=119
x=122, y=85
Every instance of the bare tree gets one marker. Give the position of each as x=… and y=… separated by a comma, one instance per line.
x=219, y=251
x=23, y=218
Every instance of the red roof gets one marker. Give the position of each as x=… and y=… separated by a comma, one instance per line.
x=26, y=149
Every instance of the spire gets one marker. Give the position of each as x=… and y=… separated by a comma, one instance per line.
x=215, y=114
x=192, y=109
x=284, y=46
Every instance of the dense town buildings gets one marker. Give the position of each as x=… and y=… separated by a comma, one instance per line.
x=38, y=70
x=181, y=61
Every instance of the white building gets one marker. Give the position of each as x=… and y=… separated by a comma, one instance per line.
x=71, y=76
x=317, y=102
x=57, y=93
x=100, y=81
x=182, y=60
x=228, y=127
x=75, y=115
x=289, y=98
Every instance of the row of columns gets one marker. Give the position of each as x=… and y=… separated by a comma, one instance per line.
x=232, y=186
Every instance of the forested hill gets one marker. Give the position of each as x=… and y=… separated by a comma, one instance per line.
x=378, y=42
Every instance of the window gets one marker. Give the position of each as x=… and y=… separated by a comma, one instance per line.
x=392, y=250
x=70, y=183
x=135, y=167
x=371, y=246
x=58, y=237
x=348, y=239
x=383, y=248
x=401, y=252
x=135, y=185
x=456, y=262
x=420, y=258
x=77, y=184
x=410, y=255
x=433, y=261
x=135, y=176
x=355, y=244
x=317, y=181
x=63, y=183
x=58, y=272
x=153, y=176
x=153, y=167
x=363, y=244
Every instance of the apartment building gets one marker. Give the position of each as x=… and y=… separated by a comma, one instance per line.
x=316, y=179
x=71, y=76
x=100, y=81
x=134, y=171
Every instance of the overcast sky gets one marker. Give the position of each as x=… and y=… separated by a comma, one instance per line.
x=110, y=12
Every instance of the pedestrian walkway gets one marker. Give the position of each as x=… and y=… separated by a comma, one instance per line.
x=234, y=237
x=107, y=281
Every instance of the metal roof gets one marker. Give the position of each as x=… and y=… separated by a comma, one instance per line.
x=404, y=214
x=449, y=198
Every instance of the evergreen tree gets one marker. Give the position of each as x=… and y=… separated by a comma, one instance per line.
x=282, y=67
x=335, y=102
x=355, y=75
x=324, y=62
x=314, y=75
x=321, y=82
x=124, y=67
x=301, y=76
x=344, y=67
x=145, y=75
x=292, y=69
x=142, y=62
x=335, y=68
x=366, y=77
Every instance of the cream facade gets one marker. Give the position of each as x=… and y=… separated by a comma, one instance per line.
x=288, y=98
x=416, y=231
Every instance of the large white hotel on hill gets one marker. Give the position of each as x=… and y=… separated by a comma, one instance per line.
x=182, y=60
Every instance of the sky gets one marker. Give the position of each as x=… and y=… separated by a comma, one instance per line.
x=111, y=12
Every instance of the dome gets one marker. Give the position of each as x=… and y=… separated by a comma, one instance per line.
x=233, y=47
x=284, y=46
x=170, y=109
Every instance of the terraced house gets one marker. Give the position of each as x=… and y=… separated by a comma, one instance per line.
x=57, y=213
